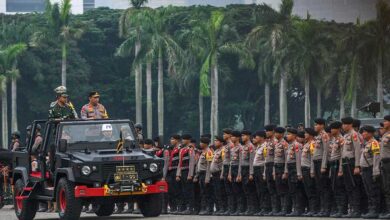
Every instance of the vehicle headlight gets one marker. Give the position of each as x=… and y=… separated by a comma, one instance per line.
x=153, y=167
x=86, y=170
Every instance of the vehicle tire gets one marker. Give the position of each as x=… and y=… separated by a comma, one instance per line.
x=24, y=209
x=150, y=205
x=105, y=209
x=68, y=206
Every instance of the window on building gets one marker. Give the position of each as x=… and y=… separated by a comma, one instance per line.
x=25, y=5
x=88, y=5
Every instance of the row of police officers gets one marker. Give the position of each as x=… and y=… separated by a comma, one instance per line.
x=337, y=170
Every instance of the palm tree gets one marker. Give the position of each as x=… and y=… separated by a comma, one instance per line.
x=275, y=29
x=8, y=69
x=129, y=22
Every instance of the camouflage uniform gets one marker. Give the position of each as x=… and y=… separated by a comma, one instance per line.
x=61, y=112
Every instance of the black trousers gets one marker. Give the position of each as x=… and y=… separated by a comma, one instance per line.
x=294, y=190
x=310, y=190
x=205, y=193
x=174, y=190
x=249, y=189
x=238, y=193
x=219, y=191
x=263, y=195
x=373, y=189
x=271, y=185
x=197, y=196
x=187, y=191
x=323, y=186
x=282, y=187
x=338, y=188
x=385, y=172
x=232, y=201
x=353, y=185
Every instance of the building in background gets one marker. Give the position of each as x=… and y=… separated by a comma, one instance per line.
x=337, y=10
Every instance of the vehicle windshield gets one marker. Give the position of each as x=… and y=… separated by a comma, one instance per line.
x=96, y=133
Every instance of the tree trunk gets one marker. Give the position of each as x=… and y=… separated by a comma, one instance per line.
x=4, y=112
x=214, y=101
x=14, y=117
x=149, y=107
x=283, y=100
x=63, y=64
x=138, y=87
x=201, y=117
x=353, y=104
x=160, y=95
x=342, y=105
x=380, y=83
x=266, y=103
x=319, y=106
x=307, y=100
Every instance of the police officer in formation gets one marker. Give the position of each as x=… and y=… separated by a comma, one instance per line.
x=325, y=171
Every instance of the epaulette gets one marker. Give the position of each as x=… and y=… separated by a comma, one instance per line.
x=53, y=104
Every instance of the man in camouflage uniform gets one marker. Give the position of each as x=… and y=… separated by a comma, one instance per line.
x=61, y=90
x=246, y=167
x=335, y=168
x=259, y=173
x=61, y=109
x=351, y=167
x=321, y=171
x=385, y=167
x=93, y=110
x=203, y=175
x=369, y=162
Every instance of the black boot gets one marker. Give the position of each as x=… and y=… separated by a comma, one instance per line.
x=371, y=214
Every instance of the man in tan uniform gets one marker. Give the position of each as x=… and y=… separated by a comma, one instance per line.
x=94, y=110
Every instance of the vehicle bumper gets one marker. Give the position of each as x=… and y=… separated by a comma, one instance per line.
x=84, y=191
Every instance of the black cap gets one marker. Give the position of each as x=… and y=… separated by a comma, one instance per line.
x=335, y=125
x=236, y=133
x=292, y=131
x=175, y=136
x=186, y=137
x=156, y=139
x=148, y=141
x=260, y=134
x=138, y=126
x=369, y=129
x=301, y=134
x=280, y=130
x=93, y=94
x=246, y=132
x=219, y=138
x=206, y=135
x=227, y=131
x=387, y=117
x=381, y=125
x=347, y=120
x=28, y=128
x=328, y=129
x=311, y=131
x=269, y=127
x=205, y=140
x=15, y=134
x=193, y=140
x=356, y=123
x=300, y=124
x=320, y=121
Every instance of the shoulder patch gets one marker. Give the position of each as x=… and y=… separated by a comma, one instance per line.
x=312, y=147
x=355, y=137
x=375, y=148
x=209, y=156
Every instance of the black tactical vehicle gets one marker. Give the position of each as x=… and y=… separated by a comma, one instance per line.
x=79, y=162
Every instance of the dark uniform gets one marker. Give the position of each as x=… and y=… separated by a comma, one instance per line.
x=269, y=173
x=351, y=159
x=385, y=168
x=231, y=201
x=369, y=162
x=174, y=189
x=234, y=172
x=164, y=154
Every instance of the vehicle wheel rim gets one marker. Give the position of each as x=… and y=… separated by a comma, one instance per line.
x=19, y=202
x=62, y=200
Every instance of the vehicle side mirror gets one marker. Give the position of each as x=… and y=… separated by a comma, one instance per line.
x=63, y=145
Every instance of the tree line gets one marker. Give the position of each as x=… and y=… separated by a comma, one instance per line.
x=193, y=69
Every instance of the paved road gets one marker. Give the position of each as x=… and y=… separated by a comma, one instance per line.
x=8, y=214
